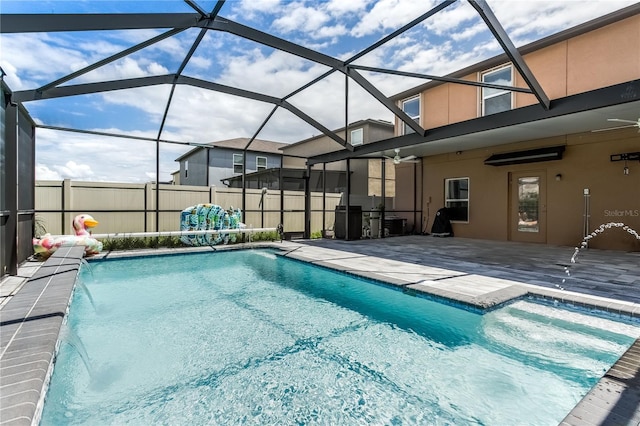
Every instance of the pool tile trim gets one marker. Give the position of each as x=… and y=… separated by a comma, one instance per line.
x=31, y=322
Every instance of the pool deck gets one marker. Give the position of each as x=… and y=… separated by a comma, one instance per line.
x=476, y=273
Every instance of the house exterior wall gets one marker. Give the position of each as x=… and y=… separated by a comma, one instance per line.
x=577, y=65
x=614, y=197
x=220, y=165
x=586, y=62
x=197, y=169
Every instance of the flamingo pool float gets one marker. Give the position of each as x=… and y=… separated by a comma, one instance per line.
x=50, y=243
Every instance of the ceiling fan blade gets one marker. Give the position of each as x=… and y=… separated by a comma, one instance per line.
x=408, y=158
x=620, y=120
x=613, y=128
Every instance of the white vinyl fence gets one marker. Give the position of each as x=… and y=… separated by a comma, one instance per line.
x=127, y=207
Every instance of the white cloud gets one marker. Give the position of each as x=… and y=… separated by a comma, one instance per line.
x=342, y=7
x=259, y=5
x=72, y=170
x=330, y=31
x=390, y=15
x=296, y=16
x=45, y=173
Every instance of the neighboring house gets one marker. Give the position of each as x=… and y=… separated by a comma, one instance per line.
x=175, y=177
x=210, y=166
x=294, y=162
x=363, y=173
x=510, y=170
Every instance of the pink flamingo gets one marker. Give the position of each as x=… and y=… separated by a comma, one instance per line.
x=81, y=223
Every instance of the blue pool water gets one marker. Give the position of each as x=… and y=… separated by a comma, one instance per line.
x=247, y=337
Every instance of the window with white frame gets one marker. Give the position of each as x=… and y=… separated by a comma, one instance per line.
x=497, y=100
x=456, y=193
x=261, y=163
x=411, y=107
x=238, y=164
x=186, y=168
x=357, y=137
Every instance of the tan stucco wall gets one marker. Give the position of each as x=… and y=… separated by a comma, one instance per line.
x=615, y=197
x=603, y=57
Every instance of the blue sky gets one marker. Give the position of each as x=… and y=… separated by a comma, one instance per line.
x=449, y=41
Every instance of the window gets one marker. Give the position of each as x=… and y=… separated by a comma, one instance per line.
x=412, y=108
x=457, y=198
x=186, y=168
x=238, y=164
x=528, y=204
x=356, y=137
x=261, y=163
x=374, y=179
x=497, y=100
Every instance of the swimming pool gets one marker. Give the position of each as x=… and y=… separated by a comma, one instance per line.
x=250, y=337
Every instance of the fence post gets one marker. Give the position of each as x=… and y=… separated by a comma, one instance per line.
x=148, y=201
x=67, y=206
x=213, y=195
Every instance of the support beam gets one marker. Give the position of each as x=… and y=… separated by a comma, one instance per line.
x=54, y=22
x=110, y=59
x=89, y=88
x=444, y=79
x=391, y=106
x=225, y=25
x=501, y=36
x=264, y=123
x=119, y=135
x=401, y=30
x=574, y=104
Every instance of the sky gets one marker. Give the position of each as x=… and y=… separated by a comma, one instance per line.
x=448, y=41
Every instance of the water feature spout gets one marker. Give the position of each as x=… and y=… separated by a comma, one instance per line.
x=88, y=267
x=585, y=242
x=86, y=291
x=68, y=336
x=599, y=230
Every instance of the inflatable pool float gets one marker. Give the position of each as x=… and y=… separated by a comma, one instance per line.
x=205, y=217
x=46, y=245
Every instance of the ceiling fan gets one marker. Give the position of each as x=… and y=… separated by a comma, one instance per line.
x=397, y=159
x=629, y=123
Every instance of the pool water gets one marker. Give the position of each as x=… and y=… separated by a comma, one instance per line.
x=251, y=337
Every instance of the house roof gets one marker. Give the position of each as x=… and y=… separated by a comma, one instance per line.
x=258, y=145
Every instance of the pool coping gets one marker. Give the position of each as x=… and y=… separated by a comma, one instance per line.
x=32, y=318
